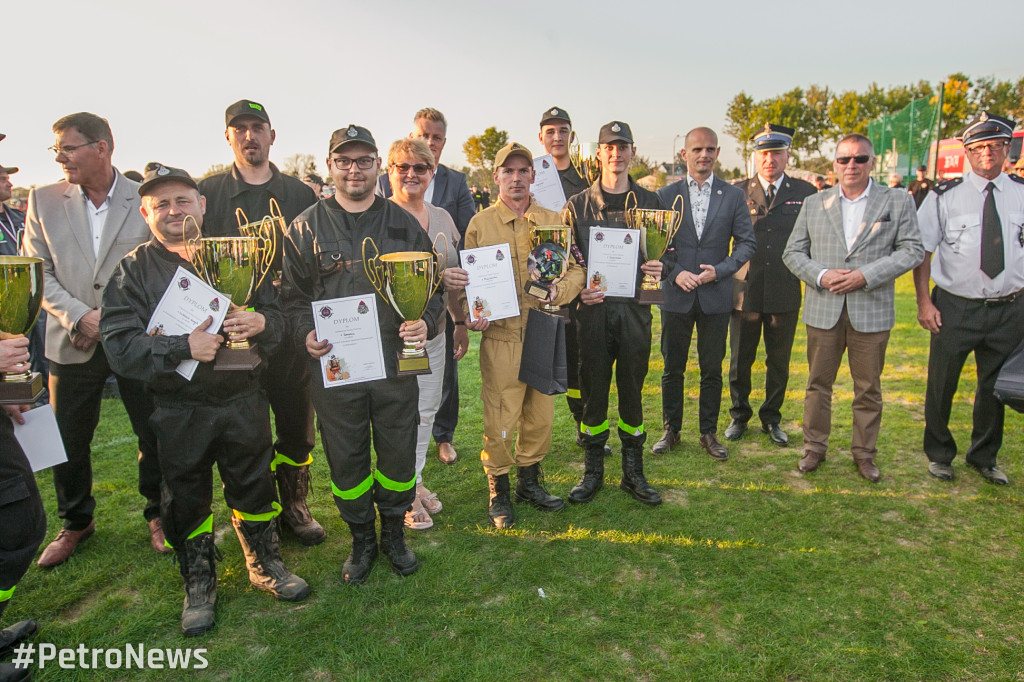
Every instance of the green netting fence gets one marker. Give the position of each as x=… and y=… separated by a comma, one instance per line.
x=902, y=139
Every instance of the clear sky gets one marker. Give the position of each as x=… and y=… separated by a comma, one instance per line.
x=162, y=73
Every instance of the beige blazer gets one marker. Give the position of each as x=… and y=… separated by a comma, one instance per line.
x=57, y=230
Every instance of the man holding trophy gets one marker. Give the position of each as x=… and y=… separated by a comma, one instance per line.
x=510, y=405
x=217, y=417
x=251, y=184
x=322, y=261
x=617, y=328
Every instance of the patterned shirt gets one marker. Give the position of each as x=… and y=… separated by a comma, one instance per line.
x=700, y=197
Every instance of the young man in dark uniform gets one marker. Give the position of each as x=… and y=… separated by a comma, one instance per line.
x=618, y=330
x=766, y=295
x=216, y=417
x=250, y=184
x=323, y=260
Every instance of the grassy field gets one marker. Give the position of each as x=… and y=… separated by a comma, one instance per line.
x=749, y=571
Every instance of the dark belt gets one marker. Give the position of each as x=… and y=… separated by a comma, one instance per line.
x=1002, y=300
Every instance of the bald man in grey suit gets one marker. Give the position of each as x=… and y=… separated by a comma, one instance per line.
x=849, y=244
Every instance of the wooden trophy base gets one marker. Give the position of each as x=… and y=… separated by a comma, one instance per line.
x=650, y=297
x=24, y=392
x=411, y=365
x=232, y=359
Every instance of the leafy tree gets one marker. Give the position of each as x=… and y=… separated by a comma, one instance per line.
x=641, y=167
x=742, y=120
x=1005, y=98
x=957, y=108
x=299, y=165
x=480, y=150
x=215, y=169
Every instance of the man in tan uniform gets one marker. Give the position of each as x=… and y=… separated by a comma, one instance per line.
x=509, y=404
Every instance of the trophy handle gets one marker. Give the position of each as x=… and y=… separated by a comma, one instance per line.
x=574, y=153
x=442, y=262
x=192, y=249
x=373, y=268
x=243, y=221
x=677, y=217
x=631, y=196
x=268, y=238
x=276, y=215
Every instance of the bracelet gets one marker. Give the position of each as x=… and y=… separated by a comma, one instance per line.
x=460, y=322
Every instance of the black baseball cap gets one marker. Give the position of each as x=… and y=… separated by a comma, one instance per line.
x=157, y=173
x=616, y=131
x=245, y=107
x=351, y=133
x=555, y=114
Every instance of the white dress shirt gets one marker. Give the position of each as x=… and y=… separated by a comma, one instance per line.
x=852, y=211
x=97, y=215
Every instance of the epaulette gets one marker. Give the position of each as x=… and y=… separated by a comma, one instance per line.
x=946, y=185
x=1017, y=178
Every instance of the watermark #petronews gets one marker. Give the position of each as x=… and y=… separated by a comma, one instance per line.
x=131, y=656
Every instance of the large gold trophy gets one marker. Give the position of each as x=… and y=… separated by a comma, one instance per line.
x=548, y=261
x=21, y=296
x=259, y=229
x=657, y=229
x=234, y=266
x=407, y=280
x=588, y=167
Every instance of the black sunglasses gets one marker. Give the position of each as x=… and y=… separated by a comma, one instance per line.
x=860, y=159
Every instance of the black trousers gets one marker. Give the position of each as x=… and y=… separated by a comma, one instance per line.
x=447, y=417
x=76, y=393
x=676, y=334
x=22, y=517
x=991, y=332
x=745, y=331
x=286, y=381
x=618, y=337
x=386, y=411
x=573, y=396
x=234, y=435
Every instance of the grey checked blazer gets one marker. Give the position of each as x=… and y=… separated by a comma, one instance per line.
x=57, y=230
x=889, y=245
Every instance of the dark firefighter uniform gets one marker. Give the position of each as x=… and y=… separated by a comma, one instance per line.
x=323, y=260
x=22, y=517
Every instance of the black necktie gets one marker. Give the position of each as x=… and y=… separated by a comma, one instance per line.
x=769, y=194
x=991, y=236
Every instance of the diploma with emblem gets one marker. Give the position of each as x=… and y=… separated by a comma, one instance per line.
x=350, y=325
x=612, y=262
x=186, y=303
x=492, y=290
x=547, y=187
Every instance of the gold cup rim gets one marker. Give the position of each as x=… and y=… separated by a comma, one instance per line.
x=405, y=256
x=19, y=260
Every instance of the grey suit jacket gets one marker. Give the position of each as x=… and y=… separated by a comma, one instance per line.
x=450, y=193
x=727, y=242
x=57, y=230
x=889, y=244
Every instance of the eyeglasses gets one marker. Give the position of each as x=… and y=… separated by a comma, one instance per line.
x=991, y=147
x=418, y=169
x=362, y=163
x=859, y=159
x=69, y=149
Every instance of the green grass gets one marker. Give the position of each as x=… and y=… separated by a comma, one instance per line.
x=749, y=571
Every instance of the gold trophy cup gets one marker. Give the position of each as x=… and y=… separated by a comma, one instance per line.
x=657, y=229
x=235, y=266
x=407, y=280
x=21, y=296
x=259, y=229
x=548, y=261
x=588, y=167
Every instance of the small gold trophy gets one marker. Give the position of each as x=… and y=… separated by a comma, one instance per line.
x=407, y=280
x=657, y=229
x=548, y=261
x=21, y=296
x=234, y=266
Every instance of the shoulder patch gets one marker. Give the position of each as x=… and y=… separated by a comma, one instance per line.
x=947, y=185
x=1017, y=178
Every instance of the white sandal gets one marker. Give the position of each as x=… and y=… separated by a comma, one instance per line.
x=417, y=518
x=428, y=499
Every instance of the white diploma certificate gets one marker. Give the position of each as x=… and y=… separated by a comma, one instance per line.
x=612, y=262
x=39, y=438
x=350, y=325
x=547, y=186
x=492, y=291
x=187, y=301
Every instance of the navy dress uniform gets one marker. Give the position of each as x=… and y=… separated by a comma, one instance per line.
x=974, y=226
x=766, y=295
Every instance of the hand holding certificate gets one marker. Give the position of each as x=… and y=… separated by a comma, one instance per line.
x=350, y=325
x=491, y=291
x=612, y=262
x=184, y=307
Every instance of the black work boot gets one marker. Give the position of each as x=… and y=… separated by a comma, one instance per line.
x=392, y=543
x=11, y=637
x=593, y=476
x=364, y=550
x=293, y=484
x=499, y=508
x=633, y=480
x=530, y=488
x=197, y=561
x=263, y=559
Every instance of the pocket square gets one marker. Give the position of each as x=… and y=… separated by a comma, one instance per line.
x=885, y=219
